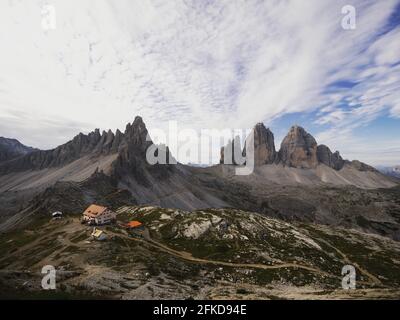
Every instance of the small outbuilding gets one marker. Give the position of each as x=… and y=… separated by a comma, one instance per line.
x=57, y=215
x=98, y=235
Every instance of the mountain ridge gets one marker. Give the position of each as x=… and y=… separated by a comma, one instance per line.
x=82, y=144
x=299, y=149
x=393, y=171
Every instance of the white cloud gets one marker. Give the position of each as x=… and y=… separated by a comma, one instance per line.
x=206, y=64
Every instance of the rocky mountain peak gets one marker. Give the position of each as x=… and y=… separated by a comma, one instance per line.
x=264, y=145
x=109, y=137
x=136, y=133
x=298, y=149
x=263, y=142
x=138, y=120
x=333, y=160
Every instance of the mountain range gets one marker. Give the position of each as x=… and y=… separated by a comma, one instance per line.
x=301, y=181
x=284, y=231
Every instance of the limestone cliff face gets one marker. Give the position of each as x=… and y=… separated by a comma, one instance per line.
x=264, y=145
x=133, y=144
x=227, y=154
x=131, y=165
x=298, y=149
x=333, y=160
x=136, y=134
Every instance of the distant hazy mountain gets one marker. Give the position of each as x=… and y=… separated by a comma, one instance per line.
x=12, y=148
x=390, y=171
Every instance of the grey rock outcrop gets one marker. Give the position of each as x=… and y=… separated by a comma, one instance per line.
x=325, y=156
x=262, y=140
x=131, y=165
x=264, y=145
x=298, y=149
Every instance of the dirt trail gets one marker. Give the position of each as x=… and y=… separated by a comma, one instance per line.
x=74, y=226
x=67, y=226
x=189, y=257
x=373, y=279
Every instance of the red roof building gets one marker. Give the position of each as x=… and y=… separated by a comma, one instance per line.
x=98, y=214
x=134, y=224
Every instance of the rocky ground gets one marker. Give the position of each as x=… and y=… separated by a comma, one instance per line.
x=206, y=254
x=368, y=210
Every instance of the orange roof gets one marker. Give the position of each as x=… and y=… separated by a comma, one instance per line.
x=94, y=210
x=134, y=224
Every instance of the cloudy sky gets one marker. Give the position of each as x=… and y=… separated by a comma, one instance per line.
x=205, y=64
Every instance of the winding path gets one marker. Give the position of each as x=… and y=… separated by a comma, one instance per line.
x=189, y=257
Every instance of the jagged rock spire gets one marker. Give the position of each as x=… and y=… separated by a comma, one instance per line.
x=264, y=145
x=136, y=133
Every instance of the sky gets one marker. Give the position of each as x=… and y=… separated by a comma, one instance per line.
x=85, y=64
